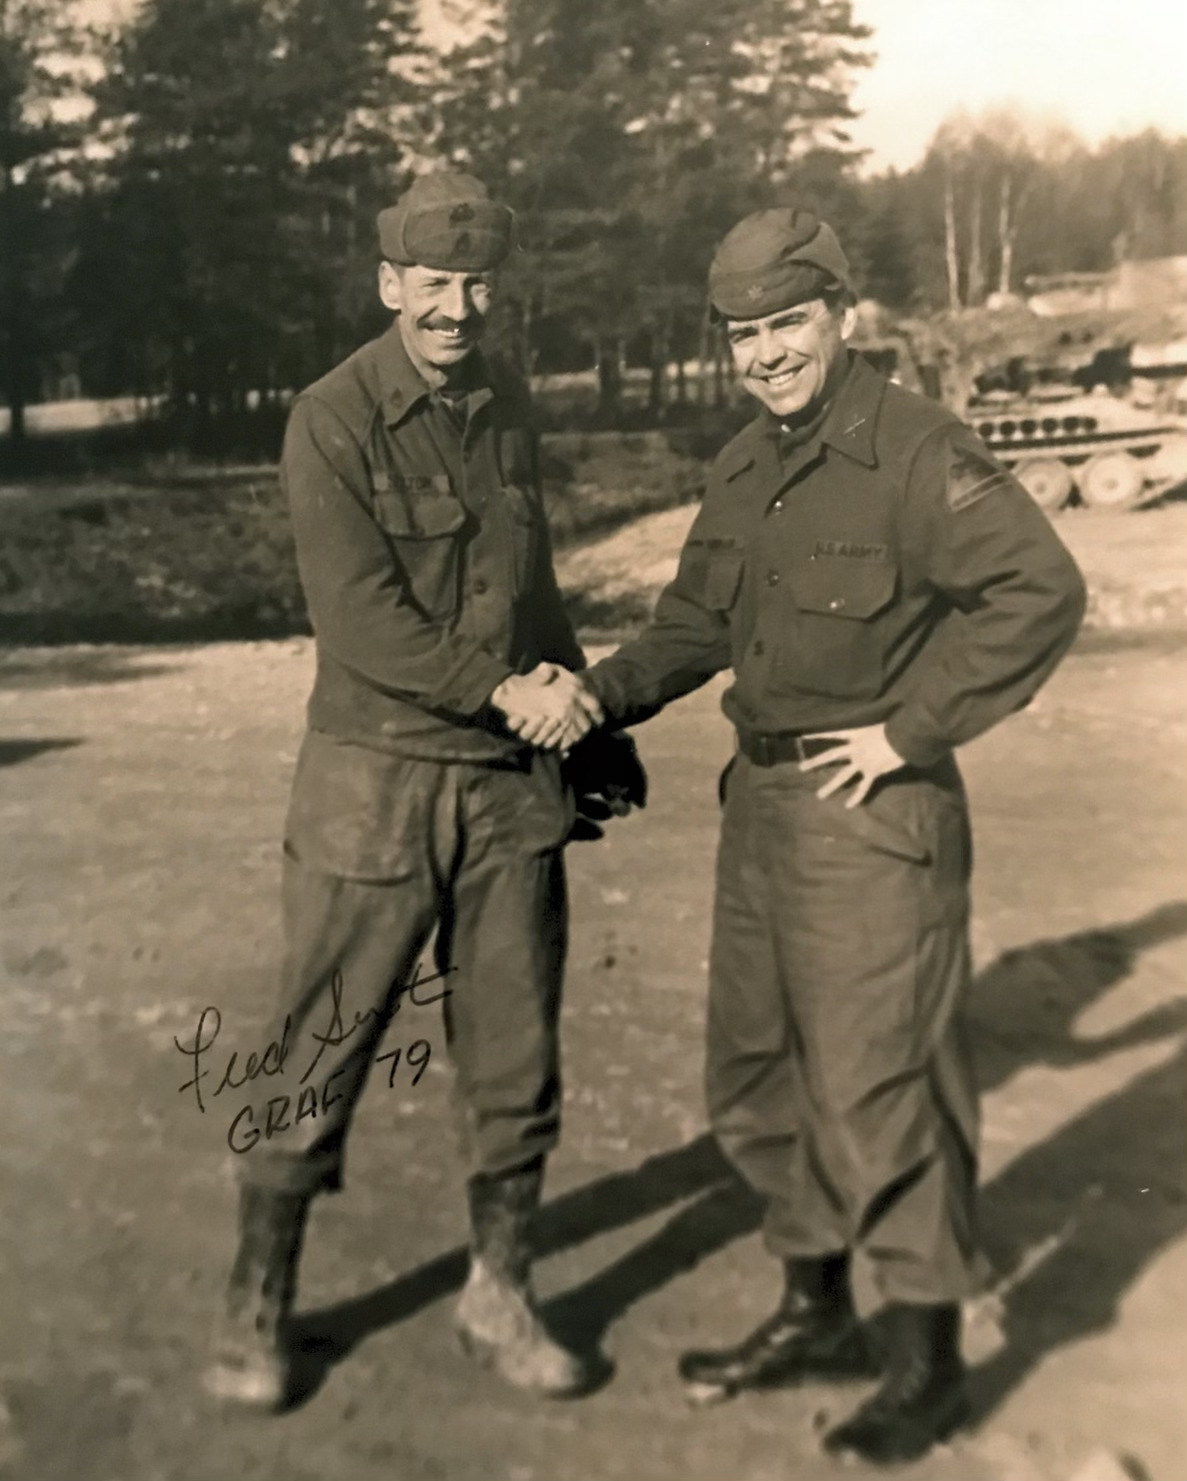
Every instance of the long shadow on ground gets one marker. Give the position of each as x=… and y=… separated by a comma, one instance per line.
x=52, y=668
x=1075, y=1220
x=726, y=1211
x=1100, y=1199
x=13, y=752
x=1024, y=1005
x=1086, y=1212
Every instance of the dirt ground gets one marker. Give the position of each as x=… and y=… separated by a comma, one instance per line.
x=141, y=799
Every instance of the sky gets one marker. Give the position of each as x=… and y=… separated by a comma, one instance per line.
x=1102, y=66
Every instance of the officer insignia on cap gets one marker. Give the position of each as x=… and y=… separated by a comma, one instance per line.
x=755, y=292
x=461, y=243
x=462, y=213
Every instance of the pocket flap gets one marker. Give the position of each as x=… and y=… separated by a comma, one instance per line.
x=843, y=588
x=419, y=515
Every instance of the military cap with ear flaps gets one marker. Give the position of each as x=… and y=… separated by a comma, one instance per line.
x=447, y=220
x=772, y=260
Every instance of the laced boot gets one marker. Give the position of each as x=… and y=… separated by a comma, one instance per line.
x=496, y=1318
x=250, y=1365
x=813, y=1333
x=922, y=1400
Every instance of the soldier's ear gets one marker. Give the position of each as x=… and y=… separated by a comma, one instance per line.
x=848, y=321
x=391, y=287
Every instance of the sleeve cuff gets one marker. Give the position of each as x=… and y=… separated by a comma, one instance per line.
x=470, y=682
x=916, y=749
x=605, y=690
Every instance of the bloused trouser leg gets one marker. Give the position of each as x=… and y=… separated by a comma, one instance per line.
x=379, y=850
x=866, y=919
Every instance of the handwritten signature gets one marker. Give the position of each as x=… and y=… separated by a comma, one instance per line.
x=244, y=1132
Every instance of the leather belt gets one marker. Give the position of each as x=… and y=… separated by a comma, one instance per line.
x=770, y=750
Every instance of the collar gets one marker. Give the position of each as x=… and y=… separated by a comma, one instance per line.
x=849, y=424
x=853, y=417
x=402, y=387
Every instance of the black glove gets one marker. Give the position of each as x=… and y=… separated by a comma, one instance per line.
x=607, y=779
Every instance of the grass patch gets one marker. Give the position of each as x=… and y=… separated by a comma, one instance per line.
x=206, y=554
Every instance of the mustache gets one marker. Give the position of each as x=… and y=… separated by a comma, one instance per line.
x=438, y=321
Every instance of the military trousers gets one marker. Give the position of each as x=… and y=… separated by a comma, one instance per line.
x=837, y=1072
x=381, y=852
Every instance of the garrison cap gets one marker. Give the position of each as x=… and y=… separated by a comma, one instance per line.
x=447, y=220
x=772, y=260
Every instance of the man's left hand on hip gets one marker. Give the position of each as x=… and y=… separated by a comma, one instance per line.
x=863, y=756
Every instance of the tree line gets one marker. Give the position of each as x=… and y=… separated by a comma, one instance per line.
x=187, y=199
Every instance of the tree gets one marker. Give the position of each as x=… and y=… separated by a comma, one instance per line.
x=983, y=185
x=252, y=144
x=1143, y=179
x=631, y=136
x=41, y=53
x=888, y=262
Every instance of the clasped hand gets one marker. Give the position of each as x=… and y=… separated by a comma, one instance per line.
x=550, y=707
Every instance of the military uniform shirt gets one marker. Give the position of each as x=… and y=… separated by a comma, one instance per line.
x=888, y=570
x=423, y=552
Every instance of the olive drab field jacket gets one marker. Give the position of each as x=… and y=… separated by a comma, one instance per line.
x=423, y=552
x=886, y=570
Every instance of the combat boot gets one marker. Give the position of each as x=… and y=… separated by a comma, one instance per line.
x=496, y=1317
x=922, y=1400
x=250, y=1364
x=814, y=1333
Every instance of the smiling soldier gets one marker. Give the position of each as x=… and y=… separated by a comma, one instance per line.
x=411, y=475
x=883, y=591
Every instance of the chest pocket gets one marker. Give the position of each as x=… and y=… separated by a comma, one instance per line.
x=423, y=520
x=834, y=644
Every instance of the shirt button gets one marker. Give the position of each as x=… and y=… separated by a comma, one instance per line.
x=772, y=578
x=777, y=506
x=836, y=604
x=759, y=650
x=479, y=587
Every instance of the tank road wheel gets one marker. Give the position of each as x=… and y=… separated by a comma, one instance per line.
x=1048, y=481
x=1111, y=481
x=1169, y=463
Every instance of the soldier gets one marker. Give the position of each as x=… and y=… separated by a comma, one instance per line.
x=884, y=591
x=411, y=474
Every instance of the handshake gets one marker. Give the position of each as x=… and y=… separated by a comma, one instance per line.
x=550, y=707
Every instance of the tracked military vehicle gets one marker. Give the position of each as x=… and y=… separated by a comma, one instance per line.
x=1110, y=454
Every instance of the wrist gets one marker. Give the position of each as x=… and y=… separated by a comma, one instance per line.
x=915, y=748
x=504, y=691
